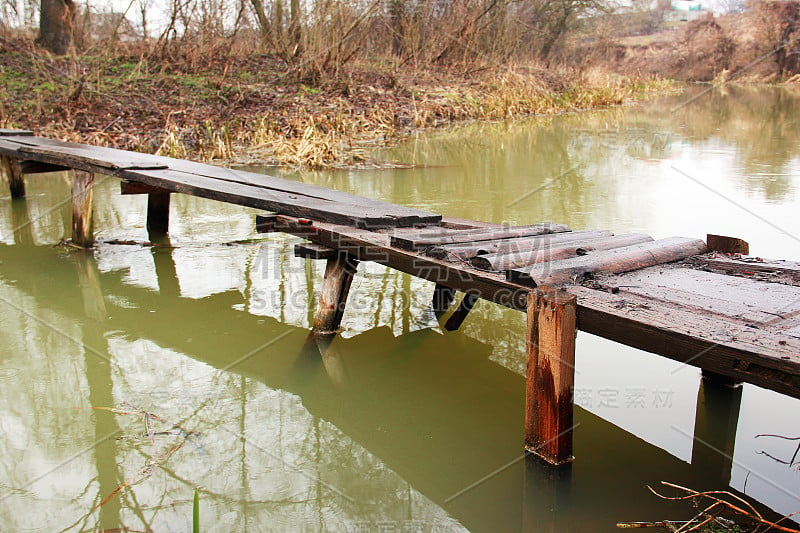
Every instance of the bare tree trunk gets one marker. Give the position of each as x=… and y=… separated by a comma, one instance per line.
x=397, y=13
x=295, y=28
x=263, y=20
x=55, y=25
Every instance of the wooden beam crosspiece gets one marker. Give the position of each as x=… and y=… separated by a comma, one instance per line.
x=550, y=374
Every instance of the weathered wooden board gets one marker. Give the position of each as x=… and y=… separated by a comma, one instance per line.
x=428, y=238
x=766, y=358
x=464, y=252
x=109, y=160
x=406, y=215
x=737, y=299
x=780, y=271
x=509, y=260
x=261, y=198
x=617, y=260
x=5, y=132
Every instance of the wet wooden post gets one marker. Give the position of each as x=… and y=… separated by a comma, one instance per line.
x=13, y=171
x=339, y=272
x=157, y=206
x=550, y=374
x=158, y=213
x=460, y=314
x=82, y=183
x=719, y=400
x=443, y=297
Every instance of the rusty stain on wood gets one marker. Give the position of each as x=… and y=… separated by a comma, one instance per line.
x=550, y=375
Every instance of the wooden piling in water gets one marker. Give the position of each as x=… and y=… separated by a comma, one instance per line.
x=550, y=375
x=158, y=213
x=13, y=172
x=82, y=208
x=339, y=272
x=443, y=297
x=157, y=205
x=460, y=314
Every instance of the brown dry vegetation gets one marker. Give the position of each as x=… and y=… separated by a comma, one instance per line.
x=761, y=44
x=247, y=107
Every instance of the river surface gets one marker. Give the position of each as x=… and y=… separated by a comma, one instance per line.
x=133, y=375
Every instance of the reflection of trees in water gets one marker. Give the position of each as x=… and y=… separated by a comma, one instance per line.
x=762, y=123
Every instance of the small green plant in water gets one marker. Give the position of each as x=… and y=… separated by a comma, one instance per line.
x=196, y=513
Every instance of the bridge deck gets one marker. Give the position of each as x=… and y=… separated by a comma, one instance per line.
x=699, y=303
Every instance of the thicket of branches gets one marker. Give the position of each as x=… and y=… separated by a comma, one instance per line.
x=314, y=38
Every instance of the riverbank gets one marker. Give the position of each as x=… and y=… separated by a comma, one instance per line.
x=248, y=110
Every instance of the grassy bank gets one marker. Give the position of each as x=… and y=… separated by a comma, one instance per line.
x=248, y=110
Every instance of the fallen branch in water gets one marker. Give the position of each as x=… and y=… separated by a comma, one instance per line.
x=720, y=500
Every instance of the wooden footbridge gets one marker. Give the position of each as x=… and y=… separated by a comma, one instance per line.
x=702, y=303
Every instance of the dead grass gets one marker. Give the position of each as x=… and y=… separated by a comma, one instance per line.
x=246, y=110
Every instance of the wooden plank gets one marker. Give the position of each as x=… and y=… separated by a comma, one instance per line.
x=510, y=260
x=427, y=238
x=617, y=260
x=762, y=357
x=371, y=246
x=339, y=272
x=550, y=375
x=260, y=198
x=107, y=158
x=765, y=358
x=464, y=252
x=780, y=271
x=5, y=132
x=727, y=245
x=133, y=187
x=314, y=251
x=407, y=215
x=460, y=314
x=82, y=183
x=110, y=160
x=37, y=167
x=735, y=299
x=10, y=168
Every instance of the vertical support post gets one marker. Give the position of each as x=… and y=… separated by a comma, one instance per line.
x=13, y=171
x=718, y=402
x=442, y=299
x=552, y=323
x=158, y=213
x=82, y=208
x=460, y=314
x=339, y=273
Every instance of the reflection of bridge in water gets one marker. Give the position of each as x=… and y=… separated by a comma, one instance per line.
x=432, y=408
x=688, y=314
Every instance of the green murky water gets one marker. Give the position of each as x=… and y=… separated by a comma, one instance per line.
x=202, y=347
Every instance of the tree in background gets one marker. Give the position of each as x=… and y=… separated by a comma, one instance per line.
x=55, y=25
